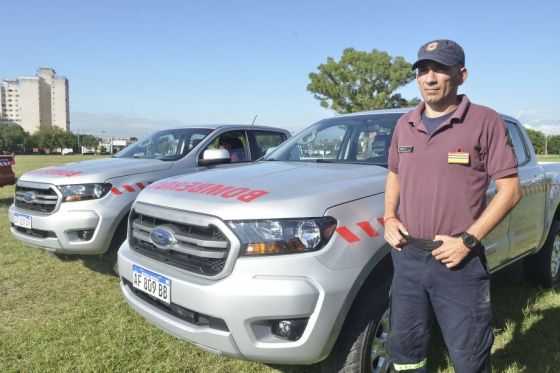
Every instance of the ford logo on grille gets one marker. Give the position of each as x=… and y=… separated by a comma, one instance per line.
x=162, y=238
x=29, y=196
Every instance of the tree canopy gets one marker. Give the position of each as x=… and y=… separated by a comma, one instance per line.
x=12, y=137
x=542, y=143
x=537, y=139
x=361, y=81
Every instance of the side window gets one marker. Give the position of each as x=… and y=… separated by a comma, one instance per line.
x=265, y=140
x=518, y=143
x=235, y=142
x=372, y=145
x=195, y=139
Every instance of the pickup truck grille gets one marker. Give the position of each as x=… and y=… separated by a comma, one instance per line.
x=202, y=249
x=36, y=198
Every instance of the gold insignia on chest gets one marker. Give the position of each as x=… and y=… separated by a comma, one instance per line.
x=458, y=158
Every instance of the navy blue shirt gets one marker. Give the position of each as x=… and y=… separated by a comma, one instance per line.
x=432, y=123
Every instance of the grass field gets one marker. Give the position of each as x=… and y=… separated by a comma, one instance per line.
x=70, y=316
x=549, y=158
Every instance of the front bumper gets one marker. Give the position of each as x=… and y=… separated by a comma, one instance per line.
x=257, y=291
x=59, y=232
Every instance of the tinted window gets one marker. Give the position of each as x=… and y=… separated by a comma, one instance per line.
x=265, y=140
x=518, y=143
x=167, y=145
x=235, y=142
x=351, y=139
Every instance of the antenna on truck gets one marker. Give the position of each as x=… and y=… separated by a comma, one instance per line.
x=254, y=119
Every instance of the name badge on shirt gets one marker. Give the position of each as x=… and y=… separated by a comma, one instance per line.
x=458, y=158
x=405, y=149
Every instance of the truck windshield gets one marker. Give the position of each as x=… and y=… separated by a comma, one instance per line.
x=363, y=139
x=166, y=145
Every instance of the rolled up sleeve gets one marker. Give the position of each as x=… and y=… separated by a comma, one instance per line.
x=500, y=160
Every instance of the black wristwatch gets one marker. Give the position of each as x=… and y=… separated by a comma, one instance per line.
x=469, y=240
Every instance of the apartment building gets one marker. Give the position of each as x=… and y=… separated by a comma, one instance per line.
x=36, y=102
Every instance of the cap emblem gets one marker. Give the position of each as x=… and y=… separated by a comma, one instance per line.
x=432, y=46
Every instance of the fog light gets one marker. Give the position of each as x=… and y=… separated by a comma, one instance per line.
x=86, y=234
x=289, y=329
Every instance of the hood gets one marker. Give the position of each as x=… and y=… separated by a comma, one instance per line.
x=267, y=189
x=94, y=171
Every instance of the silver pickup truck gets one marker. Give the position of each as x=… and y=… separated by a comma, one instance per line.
x=283, y=261
x=82, y=208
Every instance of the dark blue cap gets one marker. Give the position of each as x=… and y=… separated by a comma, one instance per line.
x=446, y=52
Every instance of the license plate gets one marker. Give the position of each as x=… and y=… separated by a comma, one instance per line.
x=151, y=283
x=22, y=220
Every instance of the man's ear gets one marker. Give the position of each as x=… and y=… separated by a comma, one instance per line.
x=463, y=74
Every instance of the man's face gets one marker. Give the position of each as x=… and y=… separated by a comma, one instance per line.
x=439, y=83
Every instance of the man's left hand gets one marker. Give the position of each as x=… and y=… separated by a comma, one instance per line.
x=451, y=252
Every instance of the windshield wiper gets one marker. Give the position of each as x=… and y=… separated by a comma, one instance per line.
x=323, y=160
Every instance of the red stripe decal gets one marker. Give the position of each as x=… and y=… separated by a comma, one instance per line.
x=347, y=235
x=367, y=228
x=116, y=191
x=129, y=188
x=140, y=185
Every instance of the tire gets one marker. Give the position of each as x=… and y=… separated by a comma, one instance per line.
x=118, y=238
x=543, y=268
x=362, y=346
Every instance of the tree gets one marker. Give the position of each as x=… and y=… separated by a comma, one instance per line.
x=537, y=139
x=12, y=137
x=553, y=144
x=53, y=138
x=361, y=81
x=90, y=141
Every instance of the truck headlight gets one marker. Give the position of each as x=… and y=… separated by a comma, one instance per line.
x=82, y=192
x=285, y=236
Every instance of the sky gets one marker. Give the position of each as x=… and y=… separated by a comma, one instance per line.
x=138, y=66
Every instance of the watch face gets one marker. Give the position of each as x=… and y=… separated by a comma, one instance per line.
x=469, y=240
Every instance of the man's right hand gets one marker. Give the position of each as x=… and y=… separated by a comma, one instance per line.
x=393, y=229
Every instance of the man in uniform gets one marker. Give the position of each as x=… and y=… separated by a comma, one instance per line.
x=442, y=155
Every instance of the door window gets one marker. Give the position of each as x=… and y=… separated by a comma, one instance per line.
x=265, y=140
x=518, y=144
x=235, y=142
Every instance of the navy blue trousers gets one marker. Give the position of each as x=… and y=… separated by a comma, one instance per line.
x=460, y=300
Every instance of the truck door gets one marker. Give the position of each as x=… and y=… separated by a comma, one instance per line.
x=496, y=243
x=527, y=218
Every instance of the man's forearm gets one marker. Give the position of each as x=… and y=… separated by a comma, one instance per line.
x=392, y=192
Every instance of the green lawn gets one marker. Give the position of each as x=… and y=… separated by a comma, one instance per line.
x=70, y=316
x=549, y=158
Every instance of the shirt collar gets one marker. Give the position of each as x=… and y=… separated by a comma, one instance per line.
x=458, y=116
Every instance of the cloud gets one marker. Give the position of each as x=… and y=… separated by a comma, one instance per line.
x=116, y=125
x=546, y=120
x=107, y=125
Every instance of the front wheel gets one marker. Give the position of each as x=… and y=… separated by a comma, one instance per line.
x=363, y=343
x=543, y=268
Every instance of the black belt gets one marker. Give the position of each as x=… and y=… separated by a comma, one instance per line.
x=420, y=243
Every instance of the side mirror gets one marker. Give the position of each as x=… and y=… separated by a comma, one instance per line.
x=214, y=156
